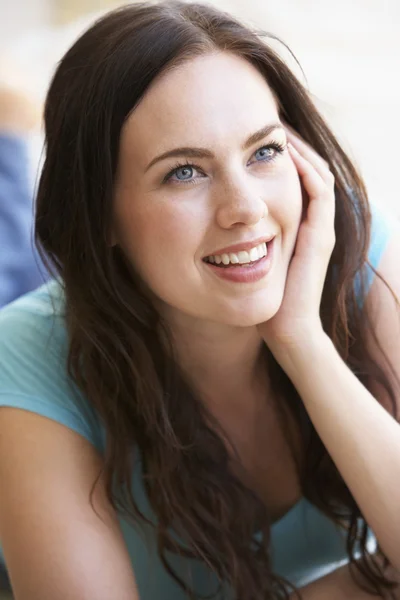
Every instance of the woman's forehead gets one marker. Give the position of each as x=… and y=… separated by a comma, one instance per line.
x=204, y=99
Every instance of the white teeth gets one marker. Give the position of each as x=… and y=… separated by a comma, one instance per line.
x=244, y=257
x=254, y=254
x=241, y=257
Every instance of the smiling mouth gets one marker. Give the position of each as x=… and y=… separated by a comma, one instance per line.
x=233, y=266
x=240, y=259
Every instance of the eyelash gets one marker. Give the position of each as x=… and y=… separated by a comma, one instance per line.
x=277, y=146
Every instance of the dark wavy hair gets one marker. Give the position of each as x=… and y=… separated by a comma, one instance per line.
x=116, y=355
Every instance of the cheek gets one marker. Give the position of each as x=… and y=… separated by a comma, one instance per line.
x=160, y=235
x=290, y=203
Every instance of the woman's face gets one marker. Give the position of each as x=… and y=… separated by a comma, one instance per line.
x=203, y=166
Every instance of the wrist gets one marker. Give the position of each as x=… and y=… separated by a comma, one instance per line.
x=306, y=350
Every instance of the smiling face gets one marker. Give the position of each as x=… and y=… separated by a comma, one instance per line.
x=232, y=182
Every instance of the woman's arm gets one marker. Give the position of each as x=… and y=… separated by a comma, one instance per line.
x=56, y=546
x=362, y=438
x=360, y=435
x=338, y=585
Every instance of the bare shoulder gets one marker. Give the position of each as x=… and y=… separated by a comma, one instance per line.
x=56, y=544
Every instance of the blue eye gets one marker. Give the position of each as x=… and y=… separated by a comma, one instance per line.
x=184, y=173
x=269, y=153
x=264, y=153
x=189, y=173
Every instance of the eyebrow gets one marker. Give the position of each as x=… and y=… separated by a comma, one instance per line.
x=205, y=153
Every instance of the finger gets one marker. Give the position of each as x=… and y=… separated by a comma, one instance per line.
x=314, y=184
x=312, y=156
x=312, y=180
x=326, y=175
x=321, y=207
x=304, y=148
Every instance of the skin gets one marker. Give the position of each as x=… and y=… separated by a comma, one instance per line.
x=166, y=229
x=284, y=306
x=237, y=199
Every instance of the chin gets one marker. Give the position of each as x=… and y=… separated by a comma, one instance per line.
x=251, y=315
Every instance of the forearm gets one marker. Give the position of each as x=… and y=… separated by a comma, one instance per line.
x=335, y=586
x=338, y=585
x=360, y=436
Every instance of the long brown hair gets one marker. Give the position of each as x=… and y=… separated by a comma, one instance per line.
x=116, y=356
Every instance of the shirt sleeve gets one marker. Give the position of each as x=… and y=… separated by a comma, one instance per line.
x=20, y=266
x=381, y=231
x=33, y=372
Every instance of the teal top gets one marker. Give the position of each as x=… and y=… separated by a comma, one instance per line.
x=33, y=348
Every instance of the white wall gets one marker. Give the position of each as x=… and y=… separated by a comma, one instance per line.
x=18, y=17
x=350, y=52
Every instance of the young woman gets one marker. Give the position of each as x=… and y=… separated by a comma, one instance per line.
x=203, y=402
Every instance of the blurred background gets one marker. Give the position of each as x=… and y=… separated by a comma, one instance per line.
x=349, y=51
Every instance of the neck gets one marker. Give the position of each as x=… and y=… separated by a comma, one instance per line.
x=224, y=364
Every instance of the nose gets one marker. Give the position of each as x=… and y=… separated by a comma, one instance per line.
x=240, y=201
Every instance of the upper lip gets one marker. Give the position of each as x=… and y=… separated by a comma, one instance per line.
x=242, y=246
